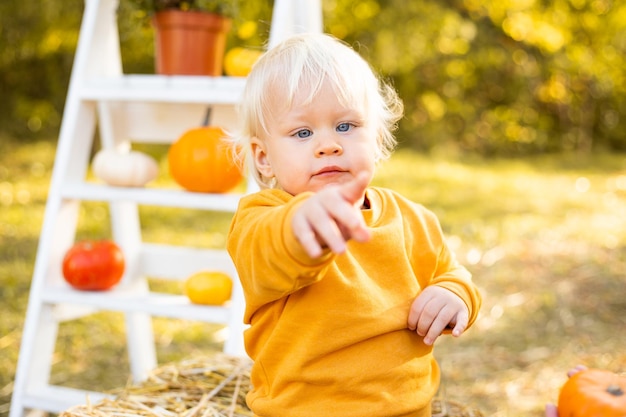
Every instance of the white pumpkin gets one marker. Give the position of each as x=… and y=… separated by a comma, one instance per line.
x=124, y=169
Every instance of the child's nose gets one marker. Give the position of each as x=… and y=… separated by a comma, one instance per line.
x=329, y=147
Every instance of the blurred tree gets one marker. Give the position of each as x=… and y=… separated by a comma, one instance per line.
x=489, y=76
x=37, y=43
x=498, y=76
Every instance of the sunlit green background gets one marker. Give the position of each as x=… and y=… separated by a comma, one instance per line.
x=513, y=135
x=495, y=77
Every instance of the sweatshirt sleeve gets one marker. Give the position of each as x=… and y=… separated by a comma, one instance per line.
x=444, y=269
x=453, y=276
x=270, y=262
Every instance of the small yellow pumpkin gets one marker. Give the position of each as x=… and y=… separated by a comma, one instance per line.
x=238, y=61
x=208, y=287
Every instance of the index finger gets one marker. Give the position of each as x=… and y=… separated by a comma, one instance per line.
x=354, y=191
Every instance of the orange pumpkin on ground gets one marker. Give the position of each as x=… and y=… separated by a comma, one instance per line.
x=593, y=393
x=201, y=161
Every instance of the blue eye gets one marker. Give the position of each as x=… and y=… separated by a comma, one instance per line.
x=344, y=127
x=304, y=133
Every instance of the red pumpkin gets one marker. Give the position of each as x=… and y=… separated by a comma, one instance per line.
x=201, y=161
x=593, y=393
x=93, y=265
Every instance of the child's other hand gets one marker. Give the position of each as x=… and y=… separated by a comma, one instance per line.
x=331, y=217
x=435, y=309
x=551, y=409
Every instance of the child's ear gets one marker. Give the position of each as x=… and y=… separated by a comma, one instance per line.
x=261, y=161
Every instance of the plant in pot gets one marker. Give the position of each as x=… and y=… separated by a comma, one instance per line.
x=190, y=36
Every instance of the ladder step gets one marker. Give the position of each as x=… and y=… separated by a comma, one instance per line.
x=162, y=88
x=178, y=262
x=124, y=299
x=152, y=196
x=57, y=399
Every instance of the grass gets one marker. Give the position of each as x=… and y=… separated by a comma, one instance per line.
x=544, y=238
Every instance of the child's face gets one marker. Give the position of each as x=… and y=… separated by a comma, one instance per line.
x=310, y=146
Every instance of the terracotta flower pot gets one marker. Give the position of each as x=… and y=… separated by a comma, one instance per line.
x=189, y=43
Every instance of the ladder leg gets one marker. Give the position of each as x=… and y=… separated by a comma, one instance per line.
x=40, y=329
x=45, y=343
x=234, y=344
x=139, y=333
x=308, y=15
x=290, y=17
x=37, y=370
x=34, y=364
x=141, y=349
x=126, y=228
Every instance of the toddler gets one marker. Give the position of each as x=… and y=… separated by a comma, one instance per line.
x=347, y=286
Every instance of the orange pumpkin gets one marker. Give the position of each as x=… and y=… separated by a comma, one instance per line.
x=201, y=161
x=593, y=392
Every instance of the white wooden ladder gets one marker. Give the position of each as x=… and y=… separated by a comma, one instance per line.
x=146, y=108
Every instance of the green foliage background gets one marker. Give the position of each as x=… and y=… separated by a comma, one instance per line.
x=504, y=77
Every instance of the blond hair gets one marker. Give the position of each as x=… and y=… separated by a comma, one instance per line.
x=303, y=63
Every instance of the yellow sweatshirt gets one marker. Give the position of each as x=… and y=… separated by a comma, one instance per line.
x=329, y=336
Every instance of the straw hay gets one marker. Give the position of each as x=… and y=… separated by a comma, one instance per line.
x=214, y=386
x=446, y=408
